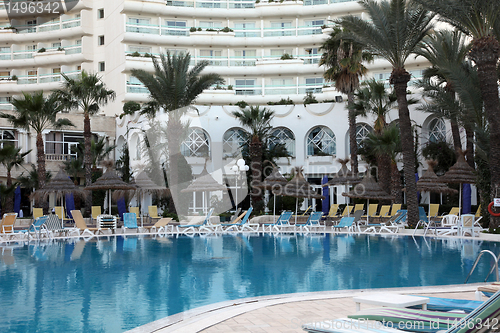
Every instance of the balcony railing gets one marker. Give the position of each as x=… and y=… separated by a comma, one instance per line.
x=45, y=78
x=59, y=157
x=51, y=26
x=241, y=4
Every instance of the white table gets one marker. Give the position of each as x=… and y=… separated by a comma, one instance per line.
x=392, y=300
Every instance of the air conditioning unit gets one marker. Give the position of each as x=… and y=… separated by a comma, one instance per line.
x=339, y=99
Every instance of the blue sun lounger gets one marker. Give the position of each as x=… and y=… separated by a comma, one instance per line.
x=449, y=304
x=485, y=318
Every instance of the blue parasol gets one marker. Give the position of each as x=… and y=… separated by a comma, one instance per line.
x=121, y=207
x=70, y=204
x=466, y=205
x=17, y=200
x=325, y=203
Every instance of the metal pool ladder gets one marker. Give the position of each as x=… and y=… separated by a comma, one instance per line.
x=494, y=268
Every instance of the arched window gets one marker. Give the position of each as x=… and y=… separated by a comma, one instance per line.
x=321, y=141
x=437, y=130
x=362, y=131
x=285, y=137
x=8, y=137
x=232, y=141
x=196, y=144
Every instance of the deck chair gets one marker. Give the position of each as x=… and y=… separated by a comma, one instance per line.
x=333, y=211
x=96, y=211
x=153, y=213
x=7, y=226
x=34, y=229
x=454, y=211
x=390, y=226
x=487, y=312
x=372, y=210
x=478, y=211
x=130, y=222
x=433, y=210
x=81, y=225
x=313, y=222
x=384, y=212
x=450, y=304
x=359, y=207
x=53, y=225
x=345, y=222
x=394, y=209
x=59, y=210
x=305, y=212
x=134, y=210
x=241, y=224
x=37, y=212
x=193, y=228
x=347, y=211
x=161, y=226
x=284, y=218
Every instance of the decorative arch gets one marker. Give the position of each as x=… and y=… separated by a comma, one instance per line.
x=232, y=141
x=197, y=143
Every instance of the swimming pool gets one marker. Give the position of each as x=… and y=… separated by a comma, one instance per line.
x=115, y=284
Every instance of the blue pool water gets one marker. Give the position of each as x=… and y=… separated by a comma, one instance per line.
x=116, y=284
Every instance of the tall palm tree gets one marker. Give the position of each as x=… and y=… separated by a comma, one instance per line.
x=344, y=59
x=373, y=97
x=88, y=93
x=174, y=86
x=34, y=111
x=394, y=30
x=445, y=50
x=258, y=121
x=11, y=157
x=480, y=20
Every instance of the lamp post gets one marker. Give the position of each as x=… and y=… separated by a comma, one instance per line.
x=239, y=167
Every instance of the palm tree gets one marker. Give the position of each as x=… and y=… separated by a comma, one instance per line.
x=394, y=30
x=388, y=143
x=445, y=50
x=344, y=59
x=480, y=20
x=38, y=113
x=88, y=93
x=11, y=157
x=258, y=121
x=174, y=86
x=373, y=98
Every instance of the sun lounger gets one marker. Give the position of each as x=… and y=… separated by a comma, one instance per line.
x=390, y=226
x=53, y=225
x=313, y=222
x=37, y=212
x=488, y=290
x=284, y=218
x=486, y=314
x=450, y=304
x=243, y=225
x=153, y=213
x=193, y=228
x=345, y=222
x=130, y=222
x=7, y=226
x=161, y=226
x=35, y=228
x=384, y=212
x=81, y=225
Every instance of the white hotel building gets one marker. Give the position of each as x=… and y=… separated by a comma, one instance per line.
x=243, y=40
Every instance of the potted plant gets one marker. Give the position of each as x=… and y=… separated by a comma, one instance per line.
x=43, y=49
x=193, y=29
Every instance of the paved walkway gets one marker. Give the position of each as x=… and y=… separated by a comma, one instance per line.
x=284, y=313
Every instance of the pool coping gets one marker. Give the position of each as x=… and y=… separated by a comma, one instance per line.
x=203, y=317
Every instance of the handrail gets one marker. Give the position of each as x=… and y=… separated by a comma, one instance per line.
x=477, y=260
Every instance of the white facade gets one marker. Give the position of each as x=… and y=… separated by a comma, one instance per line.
x=112, y=37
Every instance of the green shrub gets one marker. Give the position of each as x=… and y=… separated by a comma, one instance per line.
x=227, y=29
x=310, y=99
x=193, y=29
x=135, y=54
x=43, y=49
x=282, y=101
x=286, y=56
x=242, y=104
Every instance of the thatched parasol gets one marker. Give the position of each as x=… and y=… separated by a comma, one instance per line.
x=61, y=185
x=204, y=183
x=110, y=180
x=429, y=182
x=344, y=177
x=274, y=180
x=368, y=189
x=298, y=187
x=460, y=173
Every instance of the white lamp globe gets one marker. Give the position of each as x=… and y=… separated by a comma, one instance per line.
x=246, y=167
x=241, y=162
x=234, y=168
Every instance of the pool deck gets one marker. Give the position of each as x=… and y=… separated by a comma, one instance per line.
x=285, y=313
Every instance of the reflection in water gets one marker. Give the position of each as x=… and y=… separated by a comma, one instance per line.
x=112, y=284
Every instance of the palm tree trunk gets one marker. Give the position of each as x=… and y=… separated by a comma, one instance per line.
x=87, y=158
x=455, y=133
x=173, y=126
x=400, y=78
x=256, y=167
x=384, y=173
x=9, y=201
x=396, y=187
x=485, y=53
x=469, y=134
x=353, y=144
x=40, y=162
